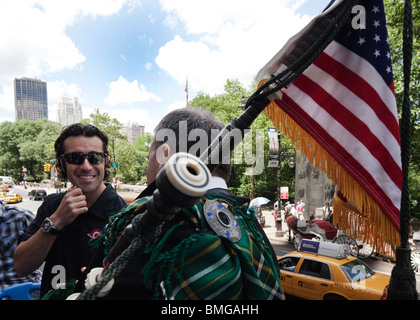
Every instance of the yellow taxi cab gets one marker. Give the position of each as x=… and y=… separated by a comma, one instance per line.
x=2, y=195
x=4, y=187
x=323, y=271
x=13, y=198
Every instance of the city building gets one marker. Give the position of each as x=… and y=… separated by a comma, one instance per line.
x=132, y=130
x=30, y=99
x=69, y=111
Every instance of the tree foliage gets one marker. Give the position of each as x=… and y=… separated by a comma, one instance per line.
x=27, y=143
x=395, y=17
x=105, y=123
x=226, y=106
x=131, y=158
x=31, y=144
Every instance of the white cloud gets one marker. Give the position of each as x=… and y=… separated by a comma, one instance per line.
x=231, y=39
x=124, y=115
x=148, y=66
x=176, y=105
x=140, y=115
x=216, y=40
x=7, y=104
x=34, y=42
x=129, y=114
x=194, y=59
x=122, y=91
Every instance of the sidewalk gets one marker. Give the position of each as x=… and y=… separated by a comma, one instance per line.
x=270, y=228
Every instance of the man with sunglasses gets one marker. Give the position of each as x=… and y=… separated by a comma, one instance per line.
x=66, y=222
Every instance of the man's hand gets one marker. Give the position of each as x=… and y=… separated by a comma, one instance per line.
x=73, y=204
x=30, y=254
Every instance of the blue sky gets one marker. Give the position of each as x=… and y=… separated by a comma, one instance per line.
x=131, y=58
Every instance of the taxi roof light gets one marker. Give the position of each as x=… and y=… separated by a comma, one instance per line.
x=328, y=249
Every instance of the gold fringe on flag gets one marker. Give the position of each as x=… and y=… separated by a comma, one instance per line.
x=365, y=221
x=361, y=228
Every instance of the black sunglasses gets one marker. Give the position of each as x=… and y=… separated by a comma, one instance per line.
x=79, y=157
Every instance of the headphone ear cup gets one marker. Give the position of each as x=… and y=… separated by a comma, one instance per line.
x=62, y=172
x=61, y=169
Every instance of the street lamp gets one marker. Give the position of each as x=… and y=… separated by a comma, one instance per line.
x=243, y=103
x=24, y=170
x=291, y=162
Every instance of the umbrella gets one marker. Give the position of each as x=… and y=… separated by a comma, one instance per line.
x=259, y=201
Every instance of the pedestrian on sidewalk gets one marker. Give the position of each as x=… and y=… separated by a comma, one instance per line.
x=299, y=210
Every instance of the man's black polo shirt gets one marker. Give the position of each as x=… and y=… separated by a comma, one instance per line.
x=71, y=251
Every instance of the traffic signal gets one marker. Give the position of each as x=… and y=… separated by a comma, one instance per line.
x=47, y=167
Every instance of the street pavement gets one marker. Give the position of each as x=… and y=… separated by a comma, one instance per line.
x=279, y=242
x=282, y=246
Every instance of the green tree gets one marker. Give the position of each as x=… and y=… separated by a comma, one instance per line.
x=27, y=143
x=111, y=126
x=131, y=158
x=226, y=106
x=395, y=14
x=128, y=161
x=142, y=146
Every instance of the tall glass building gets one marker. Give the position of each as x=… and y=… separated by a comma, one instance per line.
x=30, y=99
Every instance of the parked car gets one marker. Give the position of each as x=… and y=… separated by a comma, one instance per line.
x=323, y=271
x=13, y=198
x=38, y=194
x=6, y=180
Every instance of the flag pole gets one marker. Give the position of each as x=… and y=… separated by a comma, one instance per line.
x=402, y=285
x=186, y=91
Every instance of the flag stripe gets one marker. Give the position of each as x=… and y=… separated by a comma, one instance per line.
x=345, y=148
x=356, y=116
x=359, y=103
x=366, y=71
x=379, y=189
x=351, y=127
x=360, y=121
x=369, y=87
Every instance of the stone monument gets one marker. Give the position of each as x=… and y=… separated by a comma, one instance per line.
x=313, y=186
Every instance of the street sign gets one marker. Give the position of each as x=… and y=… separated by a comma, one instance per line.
x=114, y=165
x=284, y=192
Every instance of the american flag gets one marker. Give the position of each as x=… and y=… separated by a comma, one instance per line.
x=345, y=101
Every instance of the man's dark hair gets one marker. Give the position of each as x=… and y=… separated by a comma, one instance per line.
x=194, y=118
x=76, y=130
